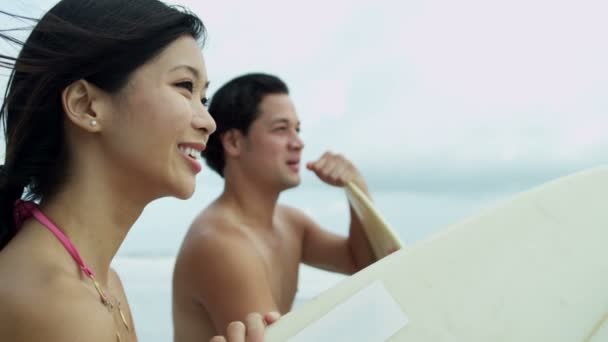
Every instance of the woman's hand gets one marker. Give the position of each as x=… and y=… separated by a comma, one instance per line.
x=252, y=330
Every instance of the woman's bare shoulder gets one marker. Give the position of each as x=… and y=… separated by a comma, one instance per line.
x=52, y=309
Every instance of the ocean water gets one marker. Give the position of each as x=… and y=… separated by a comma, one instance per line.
x=146, y=259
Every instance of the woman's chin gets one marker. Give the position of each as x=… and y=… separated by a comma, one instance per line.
x=181, y=190
x=184, y=193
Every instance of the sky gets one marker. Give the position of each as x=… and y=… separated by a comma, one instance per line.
x=449, y=98
x=426, y=95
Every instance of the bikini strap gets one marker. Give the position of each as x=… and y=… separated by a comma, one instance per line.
x=27, y=209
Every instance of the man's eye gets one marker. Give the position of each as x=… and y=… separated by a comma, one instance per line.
x=186, y=85
x=205, y=101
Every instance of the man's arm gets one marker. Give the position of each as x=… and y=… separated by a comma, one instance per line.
x=230, y=280
x=330, y=251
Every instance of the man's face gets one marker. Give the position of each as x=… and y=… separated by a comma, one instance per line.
x=272, y=147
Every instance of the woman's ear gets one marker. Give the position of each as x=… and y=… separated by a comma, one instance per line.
x=232, y=141
x=79, y=104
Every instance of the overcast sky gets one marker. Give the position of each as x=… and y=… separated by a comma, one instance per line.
x=426, y=94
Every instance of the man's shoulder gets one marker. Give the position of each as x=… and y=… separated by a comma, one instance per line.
x=293, y=216
x=214, y=217
x=216, y=257
x=210, y=237
x=214, y=235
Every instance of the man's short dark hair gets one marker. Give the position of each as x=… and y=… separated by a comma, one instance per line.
x=235, y=106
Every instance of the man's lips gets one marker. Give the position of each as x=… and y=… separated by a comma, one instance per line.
x=294, y=164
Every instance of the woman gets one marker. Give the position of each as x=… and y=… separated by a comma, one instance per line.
x=104, y=112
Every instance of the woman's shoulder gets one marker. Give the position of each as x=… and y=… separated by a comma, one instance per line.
x=52, y=310
x=40, y=304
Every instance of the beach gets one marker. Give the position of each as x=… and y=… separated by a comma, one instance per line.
x=145, y=260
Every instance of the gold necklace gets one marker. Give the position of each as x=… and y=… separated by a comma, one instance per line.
x=110, y=306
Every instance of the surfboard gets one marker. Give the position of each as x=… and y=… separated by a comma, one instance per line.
x=382, y=237
x=534, y=268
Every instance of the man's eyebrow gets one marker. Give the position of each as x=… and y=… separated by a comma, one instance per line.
x=283, y=120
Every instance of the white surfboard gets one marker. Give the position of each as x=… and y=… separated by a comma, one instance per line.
x=382, y=238
x=532, y=269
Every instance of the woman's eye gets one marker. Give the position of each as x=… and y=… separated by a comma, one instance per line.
x=186, y=85
x=205, y=101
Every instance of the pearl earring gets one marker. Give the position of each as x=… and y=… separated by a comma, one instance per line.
x=93, y=123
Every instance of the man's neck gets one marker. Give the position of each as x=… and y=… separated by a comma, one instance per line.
x=254, y=202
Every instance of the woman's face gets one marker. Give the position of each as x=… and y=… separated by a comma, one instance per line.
x=160, y=124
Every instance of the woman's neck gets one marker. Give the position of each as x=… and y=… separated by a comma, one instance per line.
x=96, y=219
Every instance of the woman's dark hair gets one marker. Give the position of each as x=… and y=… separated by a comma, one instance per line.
x=235, y=106
x=102, y=42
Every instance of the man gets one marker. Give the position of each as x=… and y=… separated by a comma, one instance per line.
x=242, y=253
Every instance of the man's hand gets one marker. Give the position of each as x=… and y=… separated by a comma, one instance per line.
x=252, y=330
x=336, y=170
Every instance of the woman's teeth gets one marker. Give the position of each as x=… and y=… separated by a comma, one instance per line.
x=190, y=152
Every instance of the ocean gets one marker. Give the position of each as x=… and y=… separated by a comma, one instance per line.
x=146, y=258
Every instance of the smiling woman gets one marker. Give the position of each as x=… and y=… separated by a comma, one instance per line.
x=164, y=102
x=104, y=112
